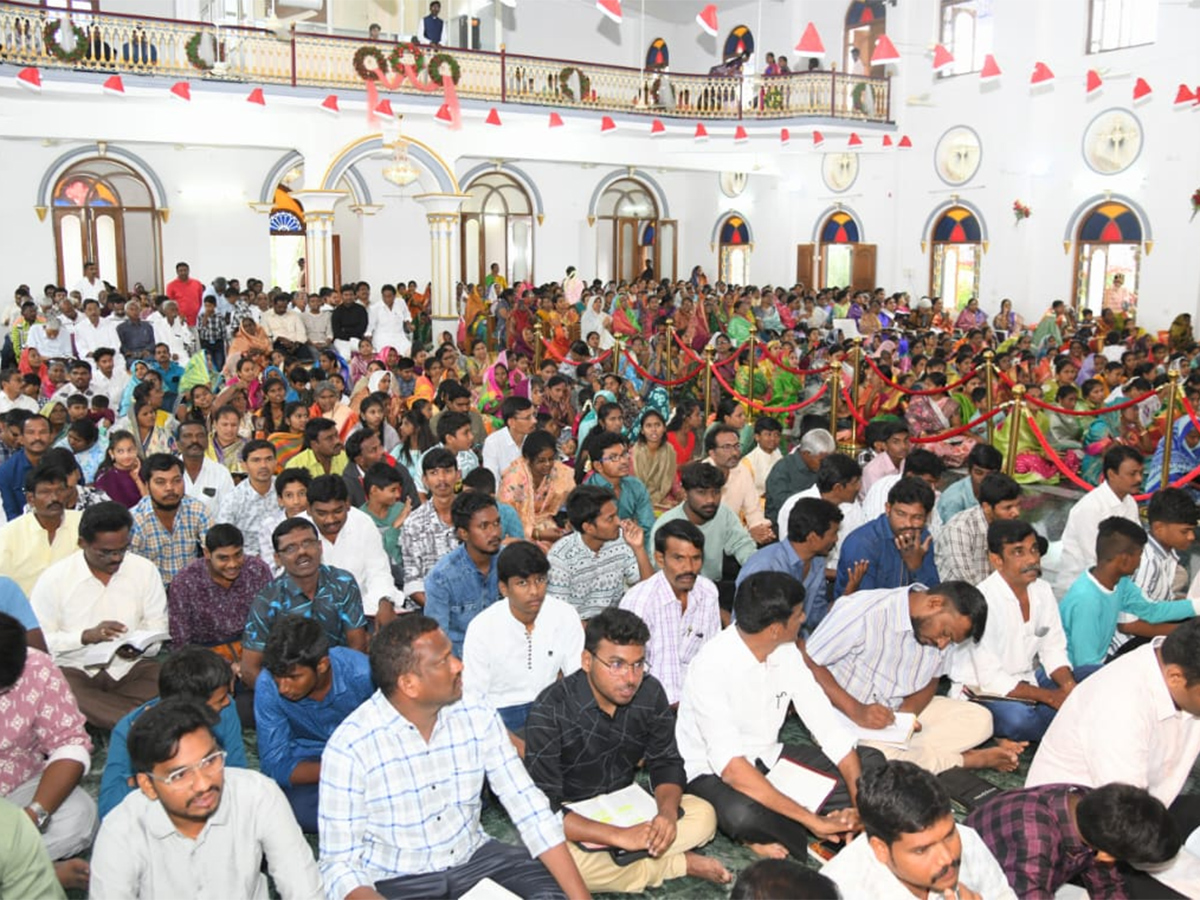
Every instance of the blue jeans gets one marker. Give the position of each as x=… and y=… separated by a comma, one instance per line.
x=514, y=717
x=1023, y=722
x=303, y=799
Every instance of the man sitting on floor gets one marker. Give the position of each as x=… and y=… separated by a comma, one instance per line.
x=962, y=546
x=838, y=478
x=588, y=734
x=895, y=547
x=982, y=461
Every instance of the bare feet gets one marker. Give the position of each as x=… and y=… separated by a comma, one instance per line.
x=73, y=874
x=700, y=866
x=770, y=851
x=1003, y=757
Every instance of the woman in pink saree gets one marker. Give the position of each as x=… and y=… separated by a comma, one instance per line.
x=930, y=415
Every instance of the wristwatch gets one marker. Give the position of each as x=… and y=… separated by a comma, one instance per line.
x=40, y=815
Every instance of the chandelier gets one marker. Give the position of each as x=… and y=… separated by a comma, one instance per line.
x=400, y=170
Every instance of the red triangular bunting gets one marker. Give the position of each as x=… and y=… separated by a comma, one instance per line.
x=740, y=136
x=555, y=120
x=941, y=58
x=1041, y=74
x=1094, y=81
x=887, y=140
x=701, y=132
x=855, y=140
x=785, y=137
x=182, y=90
x=1184, y=96
x=330, y=104
x=905, y=143
x=256, y=96
x=1197, y=93
x=493, y=117
x=818, y=139
x=885, y=52
x=810, y=42
x=114, y=85
x=607, y=125
x=990, y=70
x=1142, y=89
x=384, y=108
x=443, y=114
x=707, y=19
x=611, y=8
x=30, y=78
x=657, y=128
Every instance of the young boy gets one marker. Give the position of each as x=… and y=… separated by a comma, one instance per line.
x=291, y=491
x=768, y=434
x=1066, y=432
x=383, y=486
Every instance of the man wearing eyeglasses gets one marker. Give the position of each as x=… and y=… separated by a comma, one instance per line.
x=724, y=448
x=611, y=468
x=503, y=446
x=195, y=827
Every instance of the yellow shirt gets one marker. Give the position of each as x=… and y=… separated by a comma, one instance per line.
x=26, y=551
x=308, y=460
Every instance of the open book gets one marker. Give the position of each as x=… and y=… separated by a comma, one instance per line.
x=486, y=889
x=806, y=786
x=102, y=654
x=897, y=733
x=631, y=805
x=975, y=692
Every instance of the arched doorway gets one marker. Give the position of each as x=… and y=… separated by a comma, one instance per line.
x=957, y=257
x=736, y=245
x=104, y=212
x=845, y=261
x=1108, y=258
x=287, y=240
x=865, y=22
x=632, y=235
x=496, y=227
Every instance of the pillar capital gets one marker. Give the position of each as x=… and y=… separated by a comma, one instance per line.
x=316, y=202
x=441, y=205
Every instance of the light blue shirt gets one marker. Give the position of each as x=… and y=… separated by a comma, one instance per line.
x=13, y=602
x=781, y=556
x=1089, y=614
x=956, y=498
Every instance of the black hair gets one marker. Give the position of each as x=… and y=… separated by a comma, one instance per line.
x=155, y=734
x=380, y=475
x=481, y=479
x=1172, y=506
x=726, y=407
x=1003, y=532
x=1066, y=390
x=764, y=598
x=770, y=879
x=13, y=650
x=193, y=672
x=966, y=600
x=450, y=422
x=34, y=417
x=392, y=649
x=104, y=518
x=1128, y=823
x=900, y=798
x=438, y=458
x=601, y=440
x=465, y=505
x=292, y=475
x=1182, y=648
x=513, y=406
x=223, y=535
x=585, y=502
x=893, y=427
x=684, y=409
x=294, y=641
x=328, y=489
x=924, y=462
x=710, y=438
x=996, y=488
x=910, y=489
x=44, y=474
x=521, y=559
x=835, y=469
x=767, y=423
x=696, y=476
x=811, y=515
x=256, y=445
x=617, y=626
x=62, y=458
x=355, y=441
x=681, y=530
x=537, y=443
x=287, y=526
x=1114, y=456
x=1116, y=536
x=314, y=428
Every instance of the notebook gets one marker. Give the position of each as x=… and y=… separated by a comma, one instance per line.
x=806, y=786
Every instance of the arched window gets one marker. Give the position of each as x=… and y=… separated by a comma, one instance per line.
x=739, y=43
x=735, y=248
x=104, y=212
x=631, y=236
x=839, y=234
x=1108, y=258
x=287, y=240
x=865, y=22
x=658, y=55
x=497, y=227
x=957, y=257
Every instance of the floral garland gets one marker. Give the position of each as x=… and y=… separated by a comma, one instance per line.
x=1021, y=211
x=192, y=49
x=360, y=66
x=396, y=60
x=435, y=68
x=50, y=37
x=1195, y=203
x=564, y=87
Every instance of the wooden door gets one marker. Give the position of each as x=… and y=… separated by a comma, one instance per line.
x=627, y=261
x=335, y=248
x=863, y=267
x=805, y=265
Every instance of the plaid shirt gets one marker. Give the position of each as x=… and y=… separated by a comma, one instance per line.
x=393, y=804
x=211, y=330
x=171, y=551
x=1031, y=834
x=961, y=548
x=424, y=539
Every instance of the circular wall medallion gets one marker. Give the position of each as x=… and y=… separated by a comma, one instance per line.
x=733, y=183
x=839, y=171
x=1112, y=141
x=958, y=155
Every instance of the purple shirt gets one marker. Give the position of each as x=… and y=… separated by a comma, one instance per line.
x=202, y=612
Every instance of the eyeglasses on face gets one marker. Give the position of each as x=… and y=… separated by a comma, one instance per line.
x=620, y=666
x=210, y=765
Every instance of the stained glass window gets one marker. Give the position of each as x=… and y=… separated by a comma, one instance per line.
x=840, y=228
x=957, y=226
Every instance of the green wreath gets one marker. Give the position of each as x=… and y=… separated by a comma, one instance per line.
x=565, y=88
x=50, y=37
x=360, y=66
x=435, y=68
x=192, y=49
x=396, y=61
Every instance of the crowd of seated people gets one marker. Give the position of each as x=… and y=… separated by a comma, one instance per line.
x=423, y=578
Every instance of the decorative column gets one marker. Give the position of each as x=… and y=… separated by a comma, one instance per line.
x=318, y=236
x=441, y=211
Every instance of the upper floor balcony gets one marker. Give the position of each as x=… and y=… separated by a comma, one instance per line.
x=33, y=35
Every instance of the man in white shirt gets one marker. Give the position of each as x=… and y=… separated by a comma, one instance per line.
x=172, y=329
x=767, y=435
x=11, y=396
x=912, y=846
x=195, y=826
x=50, y=339
x=79, y=381
x=735, y=698
x=350, y=541
x=724, y=449
x=390, y=322
x=204, y=479
x=90, y=285
x=108, y=379
x=285, y=327
x=838, y=480
x=1123, y=470
x=513, y=650
x=503, y=446
x=1023, y=651
x=102, y=594
x=93, y=332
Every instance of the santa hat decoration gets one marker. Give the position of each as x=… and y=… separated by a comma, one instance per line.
x=1141, y=89
x=701, y=132
x=493, y=117
x=555, y=120
x=611, y=8
x=810, y=43
x=114, y=85
x=740, y=136
x=444, y=115
x=941, y=58
x=256, y=97
x=384, y=109
x=607, y=125
x=182, y=90
x=657, y=128
x=887, y=140
x=855, y=141
x=885, y=52
x=904, y=143
x=818, y=140
x=990, y=70
x=1094, y=81
x=30, y=78
x=1184, y=97
x=785, y=137
x=707, y=20
x=330, y=105
x=1041, y=74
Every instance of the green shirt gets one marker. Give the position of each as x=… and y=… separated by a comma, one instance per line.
x=25, y=867
x=390, y=534
x=723, y=535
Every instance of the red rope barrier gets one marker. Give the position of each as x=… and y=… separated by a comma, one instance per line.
x=637, y=368
x=1051, y=455
x=858, y=417
x=955, y=432
x=558, y=357
x=685, y=348
x=754, y=404
x=1191, y=413
x=929, y=393
x=1102, y=411
x=801, y=372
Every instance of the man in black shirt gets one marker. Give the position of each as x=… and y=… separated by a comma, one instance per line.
x=349, y=322
x=584, y=737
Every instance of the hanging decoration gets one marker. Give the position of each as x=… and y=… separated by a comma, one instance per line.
x=493, y=117
x=885, y=52
x=30, y=79
x=610, y=8
x=50, y=38
x=657, y=128
x=1094, y=81
x=369, y=73
x=330, y=104
x=905, y=143
x=990, y=70
x=707, y=20
x=114, y=85
x=701, y=133
x=810, y=43
x=555, y=121
x=785, y=137
x=397, y=63
x=607, y=125
x=818, y=140
x=887, y=140
x=1041, y=74
x=182, y=90
x=740, y=136
x=385, y=109
x=192, y=50
x=1141, y=90
x=1185, y=97
x=435, y=69
x=854, y=140
x=942, y=58
x=1195, y=203
x=1021, y=211
x=256, y=97
x=405, y=62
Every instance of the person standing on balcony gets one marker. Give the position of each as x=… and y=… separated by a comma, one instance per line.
x=431, y=25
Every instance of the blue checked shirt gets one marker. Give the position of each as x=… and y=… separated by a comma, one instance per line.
x=392, y=804
x=171, y=551
x=337, y=605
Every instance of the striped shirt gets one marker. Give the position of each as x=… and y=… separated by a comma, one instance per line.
x=1156, y=576
x=961, y=550
x=868, y=644
x=591, y=582
x=393, y=804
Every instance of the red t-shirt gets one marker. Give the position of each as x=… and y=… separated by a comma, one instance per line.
x=188, y=295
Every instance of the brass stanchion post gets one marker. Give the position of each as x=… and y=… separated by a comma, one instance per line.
x=989, y=374
x=537, y=346
x=1172, y=399
x=670, y=340
x=857, y=353
x=835, y=384
x=750, y=369
x=708, y=368
x=1014, y=428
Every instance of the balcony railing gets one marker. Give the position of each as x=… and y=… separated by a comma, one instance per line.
x=103, y=42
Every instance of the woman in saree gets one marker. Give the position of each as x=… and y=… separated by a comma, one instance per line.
x=625, y=319
x=476, y=364
x=56, y=412
x=1185, y=456
x=691, y=325
x=603, y=413
x=32, y=363
x=1122, y=426
x=935, y=414
x=1180, y=335
x=1006, y=320
x=681, y=431
x=560, y=319
x=152, y=437
x=1030, y=465
x=595, y=319
x=248, y=338
x=655, y=463
x=536, y=485
x=289, y=440
x=328, y=404
x=474, y=320
x=764, y=378
x=270, y=417
x=879, y=397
